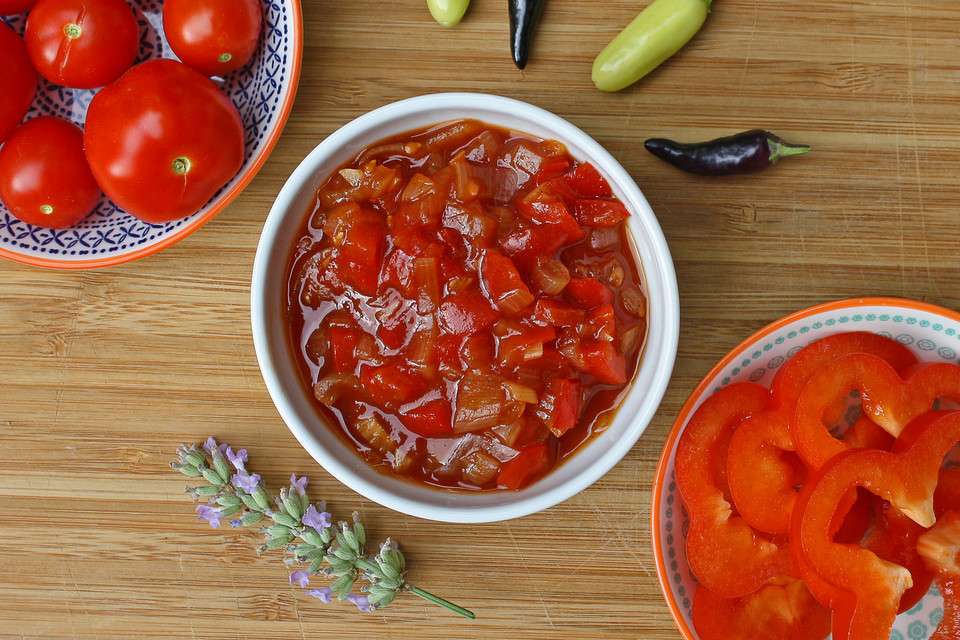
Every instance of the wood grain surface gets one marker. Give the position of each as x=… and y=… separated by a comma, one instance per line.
x=104, y=372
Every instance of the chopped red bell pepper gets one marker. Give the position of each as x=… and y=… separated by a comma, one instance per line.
x=503, y=282
x=870, y=588
x=528, y=241
x=361, y=253
x=589, y=292
x=563, y=398
x=718, y=538
x=343, y=345
x=529, y=463
x=782, y=609
x=552, y=168
x=545, y=208
x=514, y=349
x=939, y=547
x=466, y=312
x=889, y=400
x=894, y=539
x=949, y=625
x=600, y=213
x=602, y=322
x=587, y=181
x=764, y=469
x=603, y=360
x=391, y=383
x=429, y=419
x=557, y=313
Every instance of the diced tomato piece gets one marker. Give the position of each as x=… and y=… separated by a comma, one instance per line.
x=397, y=270
x=343, y=344
x=362, y=252
x=466, y=312
x=587, y=181
x=600, y=213
x=603, y=361
x=603, y=321
x=527, y=465
x=503, y=282
x=557, y=313
x=514, y=349
x=564, y=397
x=429, y=419
x=527, y=242
x=544, y=207
x=391, y=383
x=552, y=168
x=590, y=292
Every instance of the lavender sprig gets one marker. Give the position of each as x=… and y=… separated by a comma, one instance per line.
x=302, y=529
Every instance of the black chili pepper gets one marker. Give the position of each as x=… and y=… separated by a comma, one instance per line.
x=523, y=19
x=741, y=153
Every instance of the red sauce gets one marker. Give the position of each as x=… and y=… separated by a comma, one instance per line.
x=464, y=303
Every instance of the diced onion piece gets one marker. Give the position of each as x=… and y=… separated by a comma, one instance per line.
x=426, y=274
x=613, y=272
x=603, y=237
x=479, y=467
x=329, y=388
x=515, y=301
x=550, y=276
x=479, y=401
x=375, y=434
x=368, y=351
x=404, y=458
x=318, y=345
x=633, y=301
x=631, y=338
x=510, y=432
x=353, y=176
x=527, y=159
x=460, y=283
x=553, y=148
x=522, y=393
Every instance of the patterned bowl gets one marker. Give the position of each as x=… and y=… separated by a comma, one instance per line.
x=263, y=91
x=931, y=332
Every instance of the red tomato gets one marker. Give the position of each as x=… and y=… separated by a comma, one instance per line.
x=82, y=44
x=10, y=7
x=18, y=80
x=162, y=139
x=213, y=36
x=44, y=177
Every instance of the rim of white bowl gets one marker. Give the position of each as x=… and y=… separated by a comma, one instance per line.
x=647, y=388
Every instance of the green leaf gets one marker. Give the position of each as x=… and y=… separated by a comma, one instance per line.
x=292, y=506
x=276, y=543
x=187, y=470
x=251, y=518
x=206, y=490
x=212, y=476
x=229, y=500
x=315, y=566
x=343, y=585
x=226, y=512
x=281, y=518
x=221, y=465
x=279, y=531
x=311, y=536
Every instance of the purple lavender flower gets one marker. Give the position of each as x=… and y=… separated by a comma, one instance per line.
x=210, y=514
x=236, y=523
x=362, y=602
x=323, y=594
x=246, y=481
x=319, y=520
x=210, y=445
x=300, y=576
x=236, y=459
x=299, y=485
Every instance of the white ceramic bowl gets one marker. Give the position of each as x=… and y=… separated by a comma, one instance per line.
x=281, y=375
x=263, y=93
x=931, y=332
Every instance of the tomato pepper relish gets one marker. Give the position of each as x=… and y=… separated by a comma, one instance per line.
x=464, y=303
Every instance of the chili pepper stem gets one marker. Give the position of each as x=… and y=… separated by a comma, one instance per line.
x=446, y=604
x=779, y=149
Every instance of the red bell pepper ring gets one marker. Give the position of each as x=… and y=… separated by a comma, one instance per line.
x=865, y=590
x=782, y=609
x=940, y=548
x=726, y=554
x=894, y=538
x=763, y=470
x=889, y=400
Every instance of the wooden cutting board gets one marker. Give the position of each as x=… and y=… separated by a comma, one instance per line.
x=104, y=372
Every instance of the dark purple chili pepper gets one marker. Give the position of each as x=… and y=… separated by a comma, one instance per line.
x=523, y=19
x=741, y=153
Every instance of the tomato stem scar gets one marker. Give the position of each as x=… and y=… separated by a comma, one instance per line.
x=72, y=30
x=224, y=57
x=46, y=209
x=181, y=166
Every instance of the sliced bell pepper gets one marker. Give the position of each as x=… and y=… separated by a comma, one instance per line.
x=466, y=312
x=361, y=253
x=764, y=470
x=888, y=399
x=894, y=538
x=603, y=361
x=528, y=241
x=547, y=209
x=600, y=213
x=782, y=609
x=503, y=283
x=939, y=547
x=428, y=419
x=343, y=345
x=589, y=292
x=870, y=588
x=719, y=540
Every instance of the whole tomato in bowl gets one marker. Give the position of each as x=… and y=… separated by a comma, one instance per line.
x=162, y=139
x=213, y=36
x=17, y=78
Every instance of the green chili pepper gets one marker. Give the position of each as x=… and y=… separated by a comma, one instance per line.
x=447, y=12
x=656, y=34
